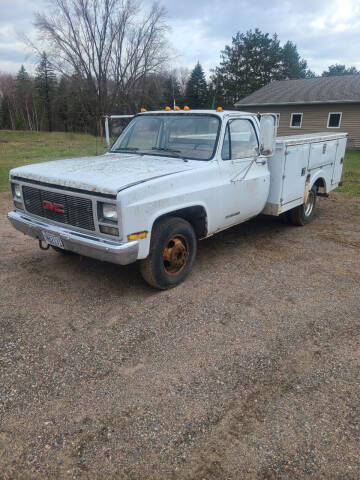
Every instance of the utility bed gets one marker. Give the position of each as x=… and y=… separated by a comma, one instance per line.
x=299, y=158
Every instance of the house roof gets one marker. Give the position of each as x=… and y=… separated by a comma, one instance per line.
x=336, y=89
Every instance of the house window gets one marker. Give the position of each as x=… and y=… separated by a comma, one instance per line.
x=296, y=120
x=334, y=120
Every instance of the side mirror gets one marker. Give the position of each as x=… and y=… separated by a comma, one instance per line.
x=268, y=130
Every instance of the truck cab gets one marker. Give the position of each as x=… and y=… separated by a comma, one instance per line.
x=170, y=179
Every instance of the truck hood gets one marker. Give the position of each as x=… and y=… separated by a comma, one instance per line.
x=108, y=173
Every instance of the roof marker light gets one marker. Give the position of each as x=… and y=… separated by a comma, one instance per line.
x=219, y=109
x=142, y=110
x=176, y=107
x=186, y=107
x=167, y=108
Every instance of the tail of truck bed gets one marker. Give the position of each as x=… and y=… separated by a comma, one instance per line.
x=301, y=161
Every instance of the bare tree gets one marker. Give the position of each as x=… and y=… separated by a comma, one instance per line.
x=110, y=43
x=183, y=74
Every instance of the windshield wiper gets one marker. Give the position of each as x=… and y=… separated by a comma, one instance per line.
x=171, y=150
x=163, y=149
x=125, y=149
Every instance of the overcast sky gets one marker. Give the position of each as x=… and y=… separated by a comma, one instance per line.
x=325, y=31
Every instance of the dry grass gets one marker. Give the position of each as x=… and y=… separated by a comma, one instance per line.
x=23, y=147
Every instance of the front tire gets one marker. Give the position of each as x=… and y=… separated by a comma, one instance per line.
x=304, y=213
x=172, y=253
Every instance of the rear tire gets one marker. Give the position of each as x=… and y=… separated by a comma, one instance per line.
x=303, y=214
x=172, y=253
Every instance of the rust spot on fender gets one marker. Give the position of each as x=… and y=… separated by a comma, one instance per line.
x=306, y=193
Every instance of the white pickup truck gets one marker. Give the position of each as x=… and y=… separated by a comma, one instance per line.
x=171, y=178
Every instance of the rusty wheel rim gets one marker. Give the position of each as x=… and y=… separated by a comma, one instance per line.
x=175, y=255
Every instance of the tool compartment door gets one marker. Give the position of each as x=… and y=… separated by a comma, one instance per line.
x=295, y=171
x=339, y=161
x=322, y=154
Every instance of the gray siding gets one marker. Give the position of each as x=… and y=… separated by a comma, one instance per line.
x=315, y=118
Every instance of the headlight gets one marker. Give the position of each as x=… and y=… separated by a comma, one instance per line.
x=109, y=212
x=17, y=191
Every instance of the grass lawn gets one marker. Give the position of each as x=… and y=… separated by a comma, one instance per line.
x=351, y=174
x=23, y=147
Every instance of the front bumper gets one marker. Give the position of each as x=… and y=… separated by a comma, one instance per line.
x=83, y=244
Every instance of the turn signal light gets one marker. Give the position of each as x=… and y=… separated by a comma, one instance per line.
x=186, y=107
x=137, y=236
x=109, y=230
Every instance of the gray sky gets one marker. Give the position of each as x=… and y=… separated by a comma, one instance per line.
x=325, y=31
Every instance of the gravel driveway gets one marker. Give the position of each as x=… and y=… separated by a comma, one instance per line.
x=248, y=370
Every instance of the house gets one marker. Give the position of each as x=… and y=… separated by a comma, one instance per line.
x=310, y=105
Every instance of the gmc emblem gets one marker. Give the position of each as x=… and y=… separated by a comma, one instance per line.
x=54, y=207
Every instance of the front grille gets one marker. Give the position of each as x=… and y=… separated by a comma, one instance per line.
x=76, y=211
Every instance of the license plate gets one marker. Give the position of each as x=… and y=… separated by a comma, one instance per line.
x=53, y=240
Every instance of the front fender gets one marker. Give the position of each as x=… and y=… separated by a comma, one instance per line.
x=143, y=204
x=144, y=244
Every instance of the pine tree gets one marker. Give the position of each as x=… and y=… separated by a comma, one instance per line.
x=252, y=61
x=22, y=77
x=196, y=92
x=339, y=70
x=292, y=65
x=45, y=82
x=23, y=88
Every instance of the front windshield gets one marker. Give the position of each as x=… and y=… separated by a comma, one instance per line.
x=190, y=136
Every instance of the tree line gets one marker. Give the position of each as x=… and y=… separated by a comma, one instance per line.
x=101, y=57
x=46, y=101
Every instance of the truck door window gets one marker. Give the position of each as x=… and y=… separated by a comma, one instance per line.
x=240, y=140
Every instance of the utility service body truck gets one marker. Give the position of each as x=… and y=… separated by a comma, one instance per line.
x=171, y=178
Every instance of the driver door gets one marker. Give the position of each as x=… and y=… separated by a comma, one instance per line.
x=245, y=174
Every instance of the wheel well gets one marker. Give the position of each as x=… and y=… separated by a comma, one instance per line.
x=320, y=184
x=196, y=216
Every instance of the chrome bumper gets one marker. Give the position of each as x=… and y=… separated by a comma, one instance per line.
x=83, y=244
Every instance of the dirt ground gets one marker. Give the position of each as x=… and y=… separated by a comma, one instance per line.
x=248, y=370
